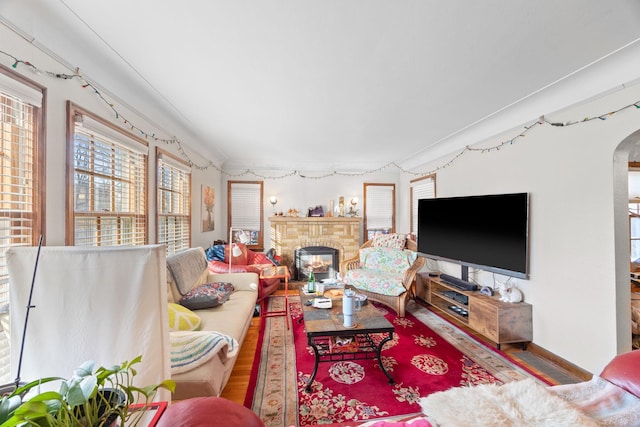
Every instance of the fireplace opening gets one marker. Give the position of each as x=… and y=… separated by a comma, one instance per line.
x=322, y=259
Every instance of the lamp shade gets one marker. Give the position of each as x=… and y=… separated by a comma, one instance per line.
x=236, y=251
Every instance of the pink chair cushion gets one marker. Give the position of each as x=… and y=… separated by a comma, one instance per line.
x=208, y=411
x=624, y=371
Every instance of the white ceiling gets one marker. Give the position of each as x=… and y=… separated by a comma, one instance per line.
x=349, y=84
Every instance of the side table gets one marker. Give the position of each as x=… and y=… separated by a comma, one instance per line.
x=275, y=272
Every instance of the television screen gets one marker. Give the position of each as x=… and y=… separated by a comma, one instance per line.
x=487, y=232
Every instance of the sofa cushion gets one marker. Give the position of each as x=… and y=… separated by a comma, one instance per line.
x=387, y=260
x=624, y=372
x=207, y=296
x=384, y=283
x=394, y=240
x=182, y=319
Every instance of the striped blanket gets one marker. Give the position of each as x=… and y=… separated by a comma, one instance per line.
x=190, y=349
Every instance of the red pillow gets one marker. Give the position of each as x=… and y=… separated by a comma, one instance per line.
x=624, y=371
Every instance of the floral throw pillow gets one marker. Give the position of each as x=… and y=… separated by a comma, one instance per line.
x=207, y=296
x=394, y=240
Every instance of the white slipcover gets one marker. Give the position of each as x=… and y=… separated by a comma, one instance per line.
x=107, y=304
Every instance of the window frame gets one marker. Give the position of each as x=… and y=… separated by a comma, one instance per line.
x=182, y=165
x=365, y=188
x=258, y=238
x=38, y=206
x=72, y=110
x=413, y=205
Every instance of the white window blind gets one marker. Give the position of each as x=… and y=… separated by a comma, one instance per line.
x=18, y=90
x=423, y=189
x=379, y=209
x=18, y=188
x=246, y=207
x=110, y=184
x=174, y=204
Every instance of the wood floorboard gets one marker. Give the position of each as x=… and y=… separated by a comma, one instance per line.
x=236, y=388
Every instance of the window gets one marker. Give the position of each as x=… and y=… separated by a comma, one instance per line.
x=379, y=209
x=21, y=183
x=174, y=202
x=109, y=203
x=245, y=210
x=421, y=188
x=634, y=215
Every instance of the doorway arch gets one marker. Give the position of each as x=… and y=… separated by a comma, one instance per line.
x=630, y=144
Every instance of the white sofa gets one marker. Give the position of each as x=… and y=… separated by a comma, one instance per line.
x=186, y=270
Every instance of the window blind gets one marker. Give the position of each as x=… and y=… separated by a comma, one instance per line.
x=246, y=208
x=20, y=91
x=174, y=204
x=423, y=189
x=110, y=182
x=379, y=206
x=18, y=187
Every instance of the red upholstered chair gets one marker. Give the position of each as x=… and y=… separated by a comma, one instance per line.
x=207, y=412
x=624, y=371
x=247, y=261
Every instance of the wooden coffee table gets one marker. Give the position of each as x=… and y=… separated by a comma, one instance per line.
x=324, y=325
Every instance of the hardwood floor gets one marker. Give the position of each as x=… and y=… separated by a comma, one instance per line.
x=544, y=364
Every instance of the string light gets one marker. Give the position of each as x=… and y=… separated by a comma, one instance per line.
x=175, y=141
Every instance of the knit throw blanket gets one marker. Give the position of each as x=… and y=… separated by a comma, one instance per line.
x=191, y=349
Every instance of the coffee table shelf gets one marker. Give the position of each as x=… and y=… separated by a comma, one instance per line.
x=323, y=325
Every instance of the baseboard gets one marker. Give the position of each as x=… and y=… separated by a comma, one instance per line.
x=559, y=361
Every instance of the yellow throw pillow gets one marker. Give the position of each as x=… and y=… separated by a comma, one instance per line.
x=182, y=319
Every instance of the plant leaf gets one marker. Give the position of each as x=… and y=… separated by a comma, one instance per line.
x=8, y=405
x=85, y=369
x=80, y=392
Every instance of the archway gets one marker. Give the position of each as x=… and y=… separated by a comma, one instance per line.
x=621, y=156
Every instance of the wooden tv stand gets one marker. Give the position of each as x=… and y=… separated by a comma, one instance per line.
x=501, y=322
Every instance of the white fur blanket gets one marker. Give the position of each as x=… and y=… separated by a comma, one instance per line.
x=191, y=349
x=519, y=403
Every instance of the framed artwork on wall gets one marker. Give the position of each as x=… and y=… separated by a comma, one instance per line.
x=208, y=201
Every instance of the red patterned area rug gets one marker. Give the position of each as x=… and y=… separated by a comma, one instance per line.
x=427, y=354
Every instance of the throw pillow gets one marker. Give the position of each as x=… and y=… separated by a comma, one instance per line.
x=215, y=253
x=394, y=240
x=207, y=296
x=182, y=319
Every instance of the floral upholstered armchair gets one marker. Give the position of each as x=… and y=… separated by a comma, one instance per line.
x=384, y=270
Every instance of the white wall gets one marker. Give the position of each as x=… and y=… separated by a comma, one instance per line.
x=579, y=311
x=58, y=92
x=296, y=192
x=577, y=284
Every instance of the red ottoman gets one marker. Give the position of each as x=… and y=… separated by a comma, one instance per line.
x=208, y=411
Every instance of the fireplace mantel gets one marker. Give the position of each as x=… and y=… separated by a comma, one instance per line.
x=288, y=233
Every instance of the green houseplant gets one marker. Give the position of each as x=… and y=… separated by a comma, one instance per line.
x=90, y=398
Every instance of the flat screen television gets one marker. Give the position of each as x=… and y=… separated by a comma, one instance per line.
x=488, y=232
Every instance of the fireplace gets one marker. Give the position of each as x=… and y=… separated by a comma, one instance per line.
x=322, y=259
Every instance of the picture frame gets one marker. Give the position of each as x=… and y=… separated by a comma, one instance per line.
x=208, y=203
